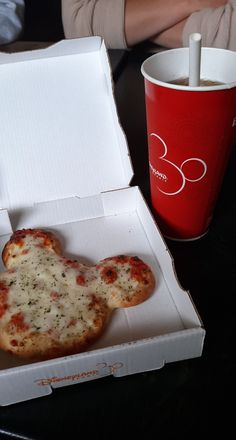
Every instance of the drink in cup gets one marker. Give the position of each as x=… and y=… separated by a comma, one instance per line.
x=190, y=133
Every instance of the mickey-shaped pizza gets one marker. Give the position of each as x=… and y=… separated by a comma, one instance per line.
x=51, y=306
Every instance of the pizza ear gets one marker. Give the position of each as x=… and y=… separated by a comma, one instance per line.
x=128, y=280
x=23, y=241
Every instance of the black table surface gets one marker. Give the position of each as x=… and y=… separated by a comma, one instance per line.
x=191, y=397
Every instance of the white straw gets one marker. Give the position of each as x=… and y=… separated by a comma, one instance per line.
x=194, y=59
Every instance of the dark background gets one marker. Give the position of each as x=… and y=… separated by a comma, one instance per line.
x=43, y=21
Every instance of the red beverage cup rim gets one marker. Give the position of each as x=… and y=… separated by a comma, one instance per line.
x=158, y=76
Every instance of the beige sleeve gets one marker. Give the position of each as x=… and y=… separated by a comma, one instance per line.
x=216, y=25
x=84, y=18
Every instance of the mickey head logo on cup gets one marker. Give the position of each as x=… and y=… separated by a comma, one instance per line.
x=172, y=177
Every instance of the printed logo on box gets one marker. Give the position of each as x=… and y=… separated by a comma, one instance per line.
x=103, y=369
x=73, y=377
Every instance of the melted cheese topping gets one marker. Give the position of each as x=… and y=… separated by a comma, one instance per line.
x=56, y=295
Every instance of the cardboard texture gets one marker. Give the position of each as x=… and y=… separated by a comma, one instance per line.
x=65, y=166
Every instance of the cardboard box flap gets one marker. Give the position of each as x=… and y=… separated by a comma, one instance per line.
x=60, y=134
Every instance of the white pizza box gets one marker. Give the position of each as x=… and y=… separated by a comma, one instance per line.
x=65, y=166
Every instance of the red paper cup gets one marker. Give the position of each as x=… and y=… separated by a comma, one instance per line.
x=190, y=132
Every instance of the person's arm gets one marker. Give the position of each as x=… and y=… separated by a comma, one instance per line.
x=11, y=20
x=144, y=19
x=171, y=38
x=216, y=25
x=125, y=23
x=84, y=18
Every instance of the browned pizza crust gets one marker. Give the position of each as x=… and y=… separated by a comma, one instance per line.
x=51, y=306
x=15, y=245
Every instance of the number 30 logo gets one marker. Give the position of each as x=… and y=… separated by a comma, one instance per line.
x=171, y=177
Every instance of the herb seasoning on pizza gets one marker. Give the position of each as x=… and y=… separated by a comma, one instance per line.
x=51, y=306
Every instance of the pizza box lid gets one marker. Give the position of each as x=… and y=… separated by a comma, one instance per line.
x=60, y=133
